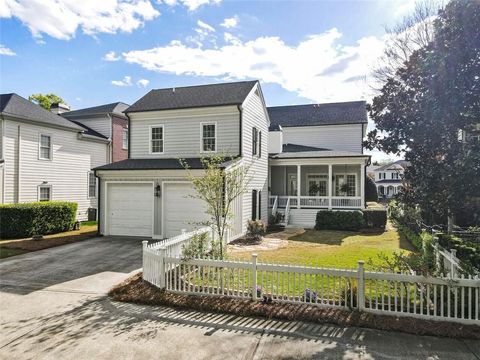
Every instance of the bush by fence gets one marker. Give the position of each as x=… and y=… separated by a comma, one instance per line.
x=375, y=218
x=39, y=218
x=339, y=220
x=466, y=251
x=371, y=193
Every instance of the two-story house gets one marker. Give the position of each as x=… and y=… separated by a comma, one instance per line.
x=148, y=193
x=389, y=177
x=108, y=120
x=46, y=157
x=316, y=159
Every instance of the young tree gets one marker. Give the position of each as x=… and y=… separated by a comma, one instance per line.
x=219, y=188
x=420, y=110
x=46, y=100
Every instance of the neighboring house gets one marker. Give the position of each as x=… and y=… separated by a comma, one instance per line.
x=47, y=157
x=149, y=195
x=388, y=178
x=108, y=120
x=316, y=159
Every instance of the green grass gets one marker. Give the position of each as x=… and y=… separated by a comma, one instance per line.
x=88, y=223
x=5, y=253
x=331, y=248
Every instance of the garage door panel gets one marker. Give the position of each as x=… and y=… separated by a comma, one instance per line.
x=130, y=209
x=181, y=211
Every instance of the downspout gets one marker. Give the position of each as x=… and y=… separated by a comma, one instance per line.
x=19, y=142
x=110, y=147
x=99, y=202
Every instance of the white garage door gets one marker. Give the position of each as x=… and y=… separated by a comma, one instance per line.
x=129, y=209
x=180, y=211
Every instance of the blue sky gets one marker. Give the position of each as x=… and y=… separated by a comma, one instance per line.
x=93, y=52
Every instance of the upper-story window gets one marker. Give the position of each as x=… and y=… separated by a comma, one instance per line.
x=45, y=147
x=125, y=138
x=209, y=137
x=254, y=141
x=156, y=139
x=44, y=193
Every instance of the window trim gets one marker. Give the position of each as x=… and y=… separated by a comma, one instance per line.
x=125, y=140
x=214, y=123
x=50, y=158
x=88, y=185
x=39, y=187
x=335, y=186
x=150, y=128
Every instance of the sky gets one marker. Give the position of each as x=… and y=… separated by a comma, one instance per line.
x=96, y=52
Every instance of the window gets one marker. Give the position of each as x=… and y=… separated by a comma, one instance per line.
x=92, y=185
x=44, y=193
x=209, y=134
x=317, y=184
x=125, y=139
x=156, y=139
x=350, y=181
x=256, y=204
x=45, y=147
x=259, y=144
x=254, y=141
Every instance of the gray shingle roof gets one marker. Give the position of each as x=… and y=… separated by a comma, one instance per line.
x=113, y=108
x=155, y=164
x=194, y=96
x=300, y=148
x=396, y=165
x=15, y=105
x=352, y=112
x=316, y=154
x=89, y=131
x=386, y=181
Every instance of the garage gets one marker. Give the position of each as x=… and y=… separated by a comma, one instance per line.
x=179, y=210
x=129, y=208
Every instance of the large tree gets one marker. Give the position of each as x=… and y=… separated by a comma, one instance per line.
x=46, y=100
x=421, y=109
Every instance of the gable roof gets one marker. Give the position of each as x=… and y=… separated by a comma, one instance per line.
x=113, y=108
x=233, y=93
x=17, y=106
x=352, y=112
x=396, y=165
x=89, y=131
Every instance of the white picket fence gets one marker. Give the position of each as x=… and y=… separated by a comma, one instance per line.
x=438, y=298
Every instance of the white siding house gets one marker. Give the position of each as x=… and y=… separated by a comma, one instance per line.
x=46, y=157
x=149, y=195
x=389, y=178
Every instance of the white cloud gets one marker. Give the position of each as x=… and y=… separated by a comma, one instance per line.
x=111, y=56
x=6, y=51
x=60, y=19
x=126, y=81
x=143, y=83
x=205, y=26
x=230, y=38
x=192, y=5
x=319, y=68
x=229, y=23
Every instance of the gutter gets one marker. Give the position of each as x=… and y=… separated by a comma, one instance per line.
x=99, y=202
x=93, y=137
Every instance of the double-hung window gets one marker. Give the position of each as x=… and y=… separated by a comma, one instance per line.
x=156, y=139
x=254, y=141
x=209, y=137
x=92, y=185
x=44, y=193
x=345, y=182
x=45, y=147
x=125, y=138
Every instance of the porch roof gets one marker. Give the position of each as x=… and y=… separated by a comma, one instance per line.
x=320, y=153
x=158, y=164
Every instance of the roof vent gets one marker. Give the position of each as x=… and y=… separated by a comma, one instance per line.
x=173, y=90
x=59, y=108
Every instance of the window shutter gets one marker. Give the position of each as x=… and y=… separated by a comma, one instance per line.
x=260, y=204
x=254, y=204
x=260, y=144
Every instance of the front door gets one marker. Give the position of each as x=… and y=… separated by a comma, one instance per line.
x=292, y=185
x=317, y=184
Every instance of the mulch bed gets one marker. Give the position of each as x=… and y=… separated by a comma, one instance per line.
x=35, y=245
x=135, y=290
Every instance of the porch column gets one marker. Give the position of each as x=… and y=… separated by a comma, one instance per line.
x=362, y=184
x=330, y=175
x=299, y=179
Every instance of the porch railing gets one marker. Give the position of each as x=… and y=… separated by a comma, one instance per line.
x=346, y=202
x=315, y=201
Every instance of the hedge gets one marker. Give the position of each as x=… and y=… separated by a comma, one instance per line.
x=371, y=192
x=375, y=218
x=38, y=218
x=339, y=220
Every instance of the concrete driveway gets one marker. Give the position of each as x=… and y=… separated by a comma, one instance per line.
x=53, y=305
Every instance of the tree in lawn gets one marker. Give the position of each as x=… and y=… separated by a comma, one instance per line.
x=421, y=110
x=219, y=188
x=46, y=100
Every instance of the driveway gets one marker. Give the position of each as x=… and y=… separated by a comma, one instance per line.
x=53, y=305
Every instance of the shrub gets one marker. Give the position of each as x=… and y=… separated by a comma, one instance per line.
x=38, y=218
x=375, y=218
x=410, y=235
x=255, y=229
x=466, y=250
x=198, y=247
x=371, y=193
x=339, y=220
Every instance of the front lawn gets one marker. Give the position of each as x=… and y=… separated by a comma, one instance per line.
x=325, y=248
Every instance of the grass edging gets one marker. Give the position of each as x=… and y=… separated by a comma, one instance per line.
x=135, y=290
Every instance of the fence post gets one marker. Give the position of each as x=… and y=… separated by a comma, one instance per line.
x=254, y=276
x=453, y=263
x=162, y=273
x=361, y=286
x=144, y=247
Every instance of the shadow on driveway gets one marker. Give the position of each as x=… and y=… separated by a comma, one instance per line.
x=25, y=273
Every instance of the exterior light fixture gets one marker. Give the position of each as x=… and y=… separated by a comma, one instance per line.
x=158, y=190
